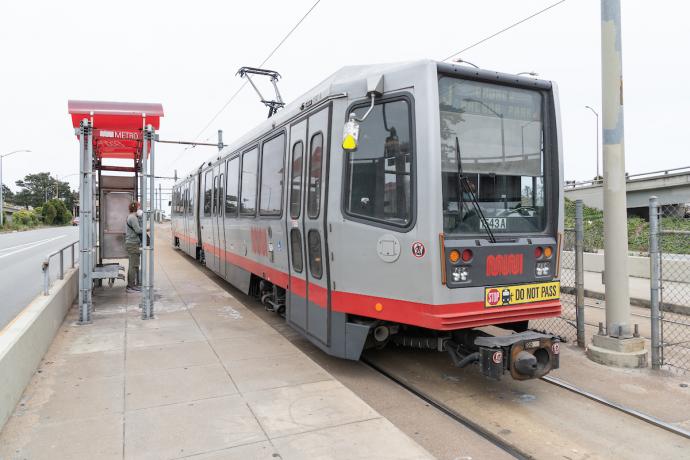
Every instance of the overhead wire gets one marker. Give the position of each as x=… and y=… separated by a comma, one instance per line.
x=505, y=29
x=236, y=93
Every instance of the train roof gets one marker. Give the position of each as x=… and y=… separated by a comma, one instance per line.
x=352, y=80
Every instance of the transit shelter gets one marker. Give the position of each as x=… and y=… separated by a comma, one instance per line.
x=116, y=158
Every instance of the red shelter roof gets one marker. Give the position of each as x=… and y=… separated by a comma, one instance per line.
x=118, y=126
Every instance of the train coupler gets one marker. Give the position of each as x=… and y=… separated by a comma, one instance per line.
x=526, y=355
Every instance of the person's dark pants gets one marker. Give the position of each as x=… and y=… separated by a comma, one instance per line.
x=133, y=253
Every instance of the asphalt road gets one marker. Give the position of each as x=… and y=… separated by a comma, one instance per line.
x=21, y=254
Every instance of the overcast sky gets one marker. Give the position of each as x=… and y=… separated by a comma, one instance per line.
x=185, y=54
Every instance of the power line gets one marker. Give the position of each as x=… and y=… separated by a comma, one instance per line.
x=234, y=95
x=505, y=29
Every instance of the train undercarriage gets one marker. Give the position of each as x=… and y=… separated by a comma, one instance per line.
x=509, y=348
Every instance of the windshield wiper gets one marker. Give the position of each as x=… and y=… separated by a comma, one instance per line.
x=464, y=186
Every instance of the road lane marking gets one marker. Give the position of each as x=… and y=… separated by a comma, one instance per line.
x=35, y=245
x=32, y=243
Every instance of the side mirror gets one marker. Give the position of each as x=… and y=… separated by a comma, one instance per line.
x=351, y=128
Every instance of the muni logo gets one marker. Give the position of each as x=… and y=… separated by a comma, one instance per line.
x=504, y=265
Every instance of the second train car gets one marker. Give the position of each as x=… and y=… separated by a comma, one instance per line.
x=407, y=203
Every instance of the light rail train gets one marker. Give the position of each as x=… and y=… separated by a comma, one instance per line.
x=407, y=203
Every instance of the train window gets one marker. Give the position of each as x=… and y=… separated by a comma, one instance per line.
x=296, y=184
x=272, y=163
x=221, y=194
x=296, y=250
x=248, y=193
x=231, y=187
x=314, y=191
x=315, y=264
x=207, y=193
x=190, y=199
x=379, y=173
x=214, y=209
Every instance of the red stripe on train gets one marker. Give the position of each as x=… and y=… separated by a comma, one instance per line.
x=440, y=317
x=189, y=239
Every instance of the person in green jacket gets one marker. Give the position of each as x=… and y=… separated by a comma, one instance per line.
x=133, y=235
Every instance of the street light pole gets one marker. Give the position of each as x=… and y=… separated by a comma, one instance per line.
x=596, y=115
x=2, y=199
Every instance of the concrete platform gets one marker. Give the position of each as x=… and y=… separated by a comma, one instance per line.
x=206, y=379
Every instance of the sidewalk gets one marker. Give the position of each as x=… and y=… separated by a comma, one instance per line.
x=205, y=379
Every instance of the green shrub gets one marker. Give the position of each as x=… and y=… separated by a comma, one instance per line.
x=25, y=218
x=49, y=213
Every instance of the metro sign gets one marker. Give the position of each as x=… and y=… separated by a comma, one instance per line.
x=119, y=134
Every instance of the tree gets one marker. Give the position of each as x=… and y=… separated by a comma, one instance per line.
x=7, y=194
x=36, y=189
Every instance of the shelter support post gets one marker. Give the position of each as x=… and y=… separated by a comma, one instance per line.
x=147, y=255
x=85, y=220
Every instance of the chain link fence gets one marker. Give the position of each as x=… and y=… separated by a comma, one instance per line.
x=564, y=326
x=670, y=277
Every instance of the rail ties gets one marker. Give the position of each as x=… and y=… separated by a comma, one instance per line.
x=461, y=419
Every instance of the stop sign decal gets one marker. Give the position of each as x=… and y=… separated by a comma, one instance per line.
x=493, y=296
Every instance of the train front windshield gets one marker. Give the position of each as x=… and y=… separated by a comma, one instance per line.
x=500, y=135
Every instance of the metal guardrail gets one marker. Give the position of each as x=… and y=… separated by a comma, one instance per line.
x=46, y=265
x=628, y=178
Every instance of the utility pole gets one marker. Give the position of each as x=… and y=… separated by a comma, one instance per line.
x=617, y=346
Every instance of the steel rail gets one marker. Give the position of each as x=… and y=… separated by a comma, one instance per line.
x=461, y=419
x=619, y=407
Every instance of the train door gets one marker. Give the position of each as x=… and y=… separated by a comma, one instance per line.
x=309, y=282
x=205, y=229
x=182, y=206
x=213, y=262
x=219, y=218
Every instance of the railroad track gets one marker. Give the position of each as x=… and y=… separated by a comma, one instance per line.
x=494, y=439
x=501, y=443
x=619, y=407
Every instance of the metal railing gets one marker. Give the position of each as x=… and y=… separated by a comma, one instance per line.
x=46, y=265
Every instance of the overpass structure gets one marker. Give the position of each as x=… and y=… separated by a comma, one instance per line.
x=671, y=186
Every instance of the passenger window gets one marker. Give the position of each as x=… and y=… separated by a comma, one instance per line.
x=272, y=163
x=231, y=187
x=379, y=173
x=315, y=161
x=296, y=250
x=296, y=181
x=221, y=195
x=207, y=193
x=249, y=170
x=215, y=194
x=190, y=208
x=315, y=263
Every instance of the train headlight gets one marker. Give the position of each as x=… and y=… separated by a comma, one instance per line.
x=543, y=268
x=460, y=274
